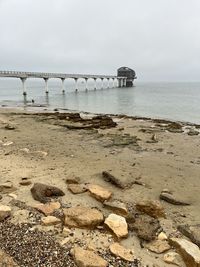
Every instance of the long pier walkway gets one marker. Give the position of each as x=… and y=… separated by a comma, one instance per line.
x=46, y=76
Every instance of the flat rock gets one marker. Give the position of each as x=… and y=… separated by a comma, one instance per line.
x=44, y=193
x=25, y=182
x=77, y=188
x=73, y=180
x=6, y=260
x=7, y=188
x=152, y=208
x=117, y=224
x=47, y=208
x=189, y=251
x=192, y=232
x=5, y=211
x=81, y=217
x=173, y=258
x=172, y=199
x=122, y=252
x=99, y=192
x=117, y=207
x=108, y=177
x=145, y=226
x=158, y=246
x=50, y=220
x=87, y=258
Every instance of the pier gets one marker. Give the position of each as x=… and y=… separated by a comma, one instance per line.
x=23, y=76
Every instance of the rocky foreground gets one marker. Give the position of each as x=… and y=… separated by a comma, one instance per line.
x=97, y=192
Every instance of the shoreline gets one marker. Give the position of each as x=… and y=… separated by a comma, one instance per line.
x=42, y=109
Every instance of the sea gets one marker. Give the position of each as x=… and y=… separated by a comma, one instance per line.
x=176, y=101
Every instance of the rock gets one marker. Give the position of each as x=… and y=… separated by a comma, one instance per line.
x=7, y=188
x=162, y=236
x=8, y=143
x=47, y=208
x=5, y=211
x=172, y=200
x=6, y=261
x=25, y=182
x=192, y=232
x=117, y=224
x=72, y=180
x=193, y=132
x=99, y=192
x=77, y=188
x=112, y=179
x=117, y=207
x=175, y=127
x=173, y=258
x=189, y=251
x=81, y=217
x=9, y=127
x=145, y=226
x=158, y=246
x=12, y=196
x=44, y=193
x=50, y=220
x=152, y=208
x=87, y=258
x=122, y=252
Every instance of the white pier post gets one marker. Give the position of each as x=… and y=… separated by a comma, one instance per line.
x=24, y=86
x=113, y=82
x=46, y=85
x=76, y=84
x=102, y=83
x=108, y=86
x=95, y=84
x=63, y=85
x=86, y=84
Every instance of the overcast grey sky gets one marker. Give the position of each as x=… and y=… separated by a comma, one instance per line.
x=160, y=39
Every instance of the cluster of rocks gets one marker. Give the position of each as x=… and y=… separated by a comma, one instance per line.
x=116, y=219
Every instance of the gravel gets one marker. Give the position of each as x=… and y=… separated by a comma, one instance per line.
x=32, y=248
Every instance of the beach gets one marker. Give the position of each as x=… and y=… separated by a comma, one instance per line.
x=147, y=158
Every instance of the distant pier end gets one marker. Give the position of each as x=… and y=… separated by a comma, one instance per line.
x=129, y=74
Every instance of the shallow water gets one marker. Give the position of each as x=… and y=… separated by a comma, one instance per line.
x=174, y=101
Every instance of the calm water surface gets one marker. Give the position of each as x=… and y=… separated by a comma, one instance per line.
x=175, y=101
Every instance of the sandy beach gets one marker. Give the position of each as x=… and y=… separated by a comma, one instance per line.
x=147, y=157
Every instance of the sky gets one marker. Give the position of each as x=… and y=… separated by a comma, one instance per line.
x=159, y=39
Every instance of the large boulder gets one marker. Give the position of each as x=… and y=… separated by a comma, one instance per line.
x=117, y=224
x=87, y=258
x=81, y=217
x=189, y=251
x=44, y=193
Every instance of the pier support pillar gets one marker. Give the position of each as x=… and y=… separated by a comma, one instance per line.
x=102, y=83
x=108, y=86
x=46, y=85
x=124, y=82
x=24, y=86
x=76, y=84
x=119, y=83
x=95, y=84
x=113, y=82
x=86, y=84
x=63, y=85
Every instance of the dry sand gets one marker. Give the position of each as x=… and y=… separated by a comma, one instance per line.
x=45, y=151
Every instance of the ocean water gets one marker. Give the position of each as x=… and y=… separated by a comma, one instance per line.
x=173, y=101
